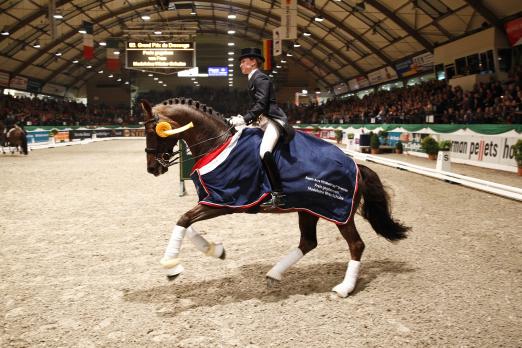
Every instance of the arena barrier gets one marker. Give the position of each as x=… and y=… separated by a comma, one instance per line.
x=483, y=185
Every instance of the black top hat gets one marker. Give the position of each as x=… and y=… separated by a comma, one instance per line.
x=251, y=52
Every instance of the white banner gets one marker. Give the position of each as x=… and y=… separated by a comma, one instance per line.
x=51, y=88
x=4, y=79
x=493, y=150
x=341, y=88
x=277, y=35
x=18, y=82
x=289, y=19
x=382, y=75
x=423, y=62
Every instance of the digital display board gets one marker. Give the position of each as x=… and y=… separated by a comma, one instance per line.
x=160, y=55
x=217, y=71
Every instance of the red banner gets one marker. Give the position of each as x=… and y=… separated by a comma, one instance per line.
x=514, y=31
x=267, y=53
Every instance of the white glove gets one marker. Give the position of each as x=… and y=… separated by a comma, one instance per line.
x=237, y=121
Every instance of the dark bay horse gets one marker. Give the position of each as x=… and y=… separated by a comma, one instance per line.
x=204, y=130
x=15, y=138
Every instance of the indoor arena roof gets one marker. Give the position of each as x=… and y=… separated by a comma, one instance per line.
x=338, y=39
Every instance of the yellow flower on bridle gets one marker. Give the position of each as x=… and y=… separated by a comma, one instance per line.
x=164, y=129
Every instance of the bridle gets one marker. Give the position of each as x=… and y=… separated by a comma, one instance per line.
x=167, y=159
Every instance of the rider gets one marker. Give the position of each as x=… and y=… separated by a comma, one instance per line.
x=272, y=119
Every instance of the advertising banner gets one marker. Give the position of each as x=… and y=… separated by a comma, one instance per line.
x=382, y=75
x=289, y=19
x=514, y=31
x=37, y=137
x=18, y=82
x=340, y=88
x=4, y=79
x=493, y=150
x=134, y=132
x=78, y=134
x=34, y=86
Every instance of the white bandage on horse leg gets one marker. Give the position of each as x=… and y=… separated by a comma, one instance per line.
x=350, y=279
x=206, y=247
x=170, y=261
x=286, y=262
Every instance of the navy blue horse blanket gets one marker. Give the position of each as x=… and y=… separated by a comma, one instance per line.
x=317, y=176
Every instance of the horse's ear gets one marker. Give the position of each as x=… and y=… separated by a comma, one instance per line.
x=146, y=108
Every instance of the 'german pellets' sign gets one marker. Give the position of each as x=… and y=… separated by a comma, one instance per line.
x=160, y=55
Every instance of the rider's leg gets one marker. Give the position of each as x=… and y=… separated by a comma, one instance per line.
x=270, y=138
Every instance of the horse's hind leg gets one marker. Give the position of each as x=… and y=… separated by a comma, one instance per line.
x=308, y=242
x=356, y=246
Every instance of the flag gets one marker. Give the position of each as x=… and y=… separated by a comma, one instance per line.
x=267, y=53
x=88, y=44
x=113, y=58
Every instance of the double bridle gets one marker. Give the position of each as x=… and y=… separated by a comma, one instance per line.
x=167, y=159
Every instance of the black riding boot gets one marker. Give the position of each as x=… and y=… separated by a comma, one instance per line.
x=275, y=181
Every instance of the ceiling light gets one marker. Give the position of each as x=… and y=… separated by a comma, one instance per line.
x=100, y=72
x=271, y=75
x=192, y=78
x=230, y=78
x=231, y=32
x=307, y=34
x=58, y=15
x=289, y=54
x=318, y=19
x=231, y=44
x=278, y=66
x=274, y=72
x=193, y=11
x=116, y=53
x=145, y=17
x=231, y=16
x=283, y=61
x=126, y=82
x=230, y=70
x=36, y=44
x=58, y=54
x=75, y=61
x=195, y=81
x=111, y=76
x=82, y=31
x=5, y=32
x=230, y=59
x=164, y=85
x=230, y=53
x=150, y=75
x=297, y=45
x=119, y=79
x=89, y=66
x=160, y=81
x=103, y=43
x=156, y=79
x=157, y=32
x=230, y=64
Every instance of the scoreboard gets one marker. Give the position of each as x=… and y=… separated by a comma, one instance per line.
x=160, y=55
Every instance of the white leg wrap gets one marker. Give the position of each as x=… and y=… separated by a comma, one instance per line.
x=206, y=247
x=350, y=279
x=286, y=262
x=170, y=261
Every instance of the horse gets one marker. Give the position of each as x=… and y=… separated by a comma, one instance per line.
x=15, y=138
x=204, y=131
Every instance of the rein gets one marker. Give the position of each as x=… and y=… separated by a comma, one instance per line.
x=166, y=158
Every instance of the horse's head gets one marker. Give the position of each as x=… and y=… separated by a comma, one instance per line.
x=159, y=143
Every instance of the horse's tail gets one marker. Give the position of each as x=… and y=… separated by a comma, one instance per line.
x=376, y=207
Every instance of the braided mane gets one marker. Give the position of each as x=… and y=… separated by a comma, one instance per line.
x=196, y=105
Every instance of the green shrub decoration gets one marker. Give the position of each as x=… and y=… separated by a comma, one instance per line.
x=518, y=152
x=430, y=145
x=445, y=145
x=338, y=135
x=374, y=141
x=399, y=146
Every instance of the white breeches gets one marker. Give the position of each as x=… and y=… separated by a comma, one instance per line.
x=270, y=137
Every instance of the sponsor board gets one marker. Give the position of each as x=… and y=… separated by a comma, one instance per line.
x=37, y=137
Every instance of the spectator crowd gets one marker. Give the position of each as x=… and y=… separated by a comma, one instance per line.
x=492, y=102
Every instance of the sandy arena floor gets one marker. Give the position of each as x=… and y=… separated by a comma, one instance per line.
x=82, y=229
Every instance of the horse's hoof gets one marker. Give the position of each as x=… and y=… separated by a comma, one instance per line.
x=223, y=255
x=171, y=278
x=271, y=282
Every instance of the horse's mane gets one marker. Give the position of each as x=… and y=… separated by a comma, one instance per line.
x=197, y=106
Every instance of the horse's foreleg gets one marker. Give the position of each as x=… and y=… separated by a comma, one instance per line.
x=308, y=242
x=170, y=260
x=356, y=246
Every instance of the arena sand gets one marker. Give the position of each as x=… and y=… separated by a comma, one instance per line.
x=82, y=230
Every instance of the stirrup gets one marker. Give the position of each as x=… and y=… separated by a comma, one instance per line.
x=275, y=201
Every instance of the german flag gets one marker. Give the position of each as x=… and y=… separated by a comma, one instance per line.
x=267, y=53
